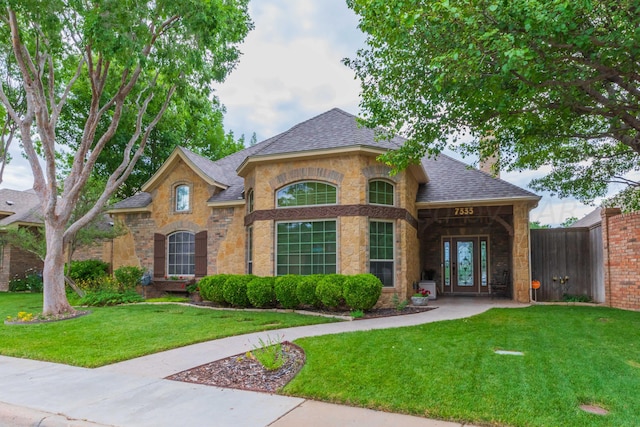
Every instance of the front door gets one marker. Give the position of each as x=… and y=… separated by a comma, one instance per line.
x=465, y=264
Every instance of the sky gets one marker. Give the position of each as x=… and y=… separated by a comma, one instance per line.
x=291, y=70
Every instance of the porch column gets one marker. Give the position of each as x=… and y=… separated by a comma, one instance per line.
x=520, y=253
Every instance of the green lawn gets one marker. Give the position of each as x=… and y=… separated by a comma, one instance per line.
x=449, y=370
x=113, y=334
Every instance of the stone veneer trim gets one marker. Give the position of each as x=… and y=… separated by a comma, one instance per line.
x=331, y=211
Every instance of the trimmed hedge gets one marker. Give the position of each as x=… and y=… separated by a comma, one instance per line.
x=235, y=289
x=212, y=288
x=358, y=292
x=361, y=291
x=329, y=290
x=306, y=290
x=261, y=293
x=285, y=288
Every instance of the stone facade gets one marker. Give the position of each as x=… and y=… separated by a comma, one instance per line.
x=351, y=175
x=621, y=240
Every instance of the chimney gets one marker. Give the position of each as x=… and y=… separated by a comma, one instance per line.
x=490, y=163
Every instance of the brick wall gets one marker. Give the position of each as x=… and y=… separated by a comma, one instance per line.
x=621, y=240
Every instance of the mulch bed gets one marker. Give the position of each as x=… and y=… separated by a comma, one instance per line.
x=244, y=372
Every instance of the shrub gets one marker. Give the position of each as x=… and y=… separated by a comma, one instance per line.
x=127, y=278
x=104, y=298
x=104, y=283
x=90, y=269
x=212, y=288
x=329, y=290
x=235, y=289
x=261, y=293
x=32, y=282
x=306, y=289
x=285, y=288
x=361, y=291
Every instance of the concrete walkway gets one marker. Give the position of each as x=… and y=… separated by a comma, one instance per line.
x=134, y=393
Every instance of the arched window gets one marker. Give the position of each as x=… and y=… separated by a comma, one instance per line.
x=306, y=193
x=182, y=193
x=181, y=254
x=380, y=192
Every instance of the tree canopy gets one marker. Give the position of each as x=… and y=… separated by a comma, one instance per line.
x=550, y=83
x=130, y=57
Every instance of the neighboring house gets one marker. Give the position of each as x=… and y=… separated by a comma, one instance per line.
x=17, y=209
x=314, y=199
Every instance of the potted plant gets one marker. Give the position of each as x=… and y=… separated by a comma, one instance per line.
x=421, y=297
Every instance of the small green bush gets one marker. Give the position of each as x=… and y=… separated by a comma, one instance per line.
x=128, y=277
x=32, y=282
x=261, y=293
x=90, y=269
x=235, y=289
x=212, y=288
x=104, y=298
x=362, y=291
x=329, y=290
x=285, y=288
x=306, y=290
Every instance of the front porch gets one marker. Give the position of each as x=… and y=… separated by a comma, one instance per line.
x=467, y=250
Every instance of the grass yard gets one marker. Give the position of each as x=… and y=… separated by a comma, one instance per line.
x=113, y=334
x=449, y=370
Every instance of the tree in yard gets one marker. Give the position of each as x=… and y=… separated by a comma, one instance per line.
x=133, y=56
x=193, y=120
x=554, y=83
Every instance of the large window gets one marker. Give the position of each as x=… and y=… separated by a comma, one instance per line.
x=182, y=198
x=380, y=193
x=306, y=247
x=306, y=193
x=181, y=254
x=381, y=251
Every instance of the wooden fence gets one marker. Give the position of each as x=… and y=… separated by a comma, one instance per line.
x=568, y=261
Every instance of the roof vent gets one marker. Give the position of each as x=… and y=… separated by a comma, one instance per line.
x=10, y=202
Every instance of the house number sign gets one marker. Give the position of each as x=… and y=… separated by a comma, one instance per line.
x=462, y=211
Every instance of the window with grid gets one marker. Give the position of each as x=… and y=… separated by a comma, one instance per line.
x=182, y=198
x=181, y=254
x=305, y=248
x=380, y=193
x=306, y=193
x=381, y=251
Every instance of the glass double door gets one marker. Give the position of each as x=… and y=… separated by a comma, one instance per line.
x=465, y=264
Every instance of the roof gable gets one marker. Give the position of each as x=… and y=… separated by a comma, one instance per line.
x=207, y=169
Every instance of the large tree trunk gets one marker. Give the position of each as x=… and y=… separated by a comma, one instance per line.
x=55, y=298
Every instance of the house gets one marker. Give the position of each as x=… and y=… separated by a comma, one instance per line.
x=314, y=199
x=17, y=209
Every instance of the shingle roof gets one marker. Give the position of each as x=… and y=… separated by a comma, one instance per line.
x=329, y=130
x=208, y=167
x=592, y=218
x=451, y=180
x=139, y=200
x=24, y=206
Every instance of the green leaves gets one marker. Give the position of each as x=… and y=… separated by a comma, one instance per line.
x=533, y=73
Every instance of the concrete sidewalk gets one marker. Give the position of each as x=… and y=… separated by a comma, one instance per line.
x=134, y=393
